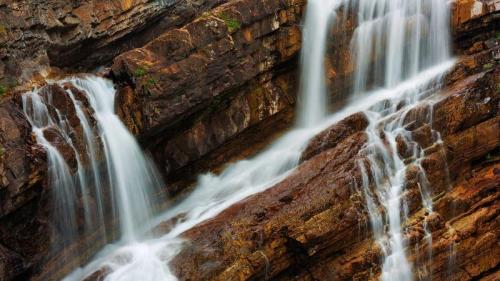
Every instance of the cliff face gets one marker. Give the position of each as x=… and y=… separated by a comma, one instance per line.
x=194, y=88
x=36, y=35
x=215, y=71
x=213, y=81
x=314, y=225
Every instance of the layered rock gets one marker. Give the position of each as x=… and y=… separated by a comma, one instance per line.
x=37, y=35
x=194, y=88
x=262, y=91
x=314, y=224
x=27, y=230
x=216, y=79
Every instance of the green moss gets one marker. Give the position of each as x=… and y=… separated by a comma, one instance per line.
x=151, y=82
x=232, y=24
x=3, y=90
x=140, y=71
x=2, y=150
x=497, y=35
x=488, y=66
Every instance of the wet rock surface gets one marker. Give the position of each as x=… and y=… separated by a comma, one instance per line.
x=197, y=87
x=314, y=225
x=210, y=79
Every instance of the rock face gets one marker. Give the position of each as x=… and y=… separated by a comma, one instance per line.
x=212, y=77
x=81, y=34
x=21, y=174
x=314, y=224
x=196, y=87
x=253, y=93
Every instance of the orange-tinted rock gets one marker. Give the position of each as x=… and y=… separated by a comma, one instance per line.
x=35, y=35
x=197, y=87
x=20, y=169
x=314, y=226
x=204, y=89
x=190, y=67
x=337, y=132
x=314, y=222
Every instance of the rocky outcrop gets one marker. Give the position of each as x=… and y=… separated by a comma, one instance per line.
x=197, y=87
x=256, y=91
x=19, y=170
x=27, y=233
x=220, y=76
x=473, y=21
x=314, y=224
x=37, y=35
x=21, y=176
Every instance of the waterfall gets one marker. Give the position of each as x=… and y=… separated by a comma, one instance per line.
x=312, y=107
x=127, y=177
x=394, y=70
x=395, y=43
x=396, y=39
x=148, y=261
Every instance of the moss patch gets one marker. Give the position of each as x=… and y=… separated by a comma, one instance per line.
x=488, y=66
x=232, y=24
x=3, y=90
x=151, y=82
x=140, y=72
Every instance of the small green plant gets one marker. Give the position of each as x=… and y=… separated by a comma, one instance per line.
x=151, y=82
x=488, y=66
x=232, y=24
x=2, y=150
x=140, y=72
x=3, y=90
x=497, y=35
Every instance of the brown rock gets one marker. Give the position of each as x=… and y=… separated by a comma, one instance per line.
x=337, y=132
x=35, y=35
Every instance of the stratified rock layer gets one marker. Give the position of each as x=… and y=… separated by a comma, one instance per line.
x=36, y=35
x=314, y=225
x=197, y=87
x=221, y=75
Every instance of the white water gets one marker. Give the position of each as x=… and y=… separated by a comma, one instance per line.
x=404, y=74
x=312, y=105
x=128, y=177
x=133, y=178
x=396, y=40
x=59, y=175
x=214, y=193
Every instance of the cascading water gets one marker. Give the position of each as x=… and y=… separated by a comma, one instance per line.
x=148, y=260
x=313, y=98
x=395, y=42
x=133, y=178
x=387, y=60
x=396, y=39
x=128, y=177
x=60, y=177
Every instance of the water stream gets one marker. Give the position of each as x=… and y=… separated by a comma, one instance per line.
x=401, y=52
x=395, y=41
x=127, y=179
